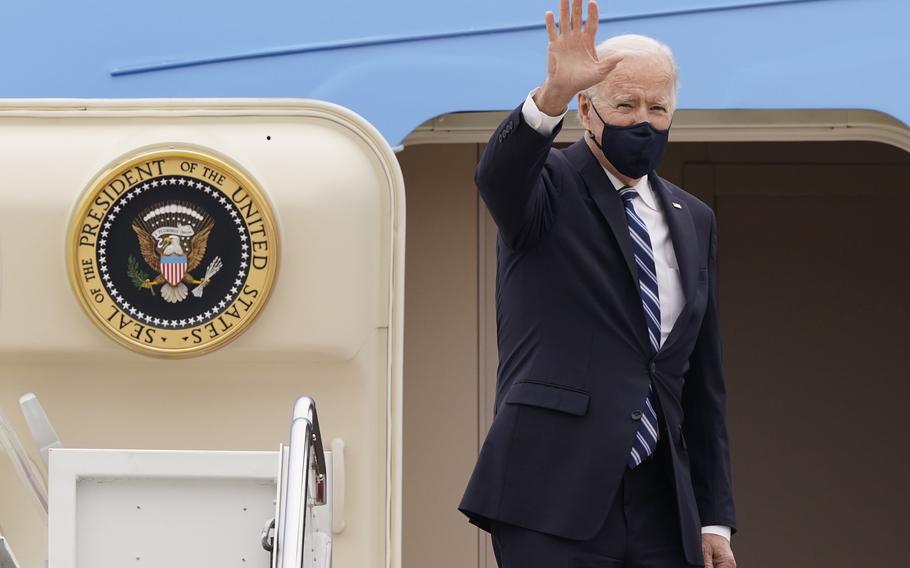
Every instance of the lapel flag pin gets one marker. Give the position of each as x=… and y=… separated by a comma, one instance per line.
x=677, y=205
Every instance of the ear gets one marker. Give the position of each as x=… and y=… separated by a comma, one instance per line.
x=584, y=108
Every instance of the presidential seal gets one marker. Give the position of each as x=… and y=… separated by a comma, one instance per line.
x=173, y=252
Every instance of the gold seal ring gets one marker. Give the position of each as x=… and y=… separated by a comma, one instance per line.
x=173, y=251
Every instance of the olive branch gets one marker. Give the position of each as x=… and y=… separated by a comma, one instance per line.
x=135, y=272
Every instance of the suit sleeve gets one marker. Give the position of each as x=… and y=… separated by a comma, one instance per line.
x=704, y=403
x=516, y=182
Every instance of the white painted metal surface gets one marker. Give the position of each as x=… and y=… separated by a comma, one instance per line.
x=332, y=328
x=336, y=497
x=166, y=509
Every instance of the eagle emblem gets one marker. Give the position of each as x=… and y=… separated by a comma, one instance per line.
x=173, y=236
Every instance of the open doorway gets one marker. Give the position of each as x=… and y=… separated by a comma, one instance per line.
x=813, y=305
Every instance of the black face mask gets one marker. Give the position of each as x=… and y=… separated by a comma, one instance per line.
x=633, y=150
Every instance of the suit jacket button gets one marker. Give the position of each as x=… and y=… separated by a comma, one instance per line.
x=636, y=415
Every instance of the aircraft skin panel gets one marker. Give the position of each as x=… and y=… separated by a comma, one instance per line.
x=289, y=156
x=399, y=66
x=331, y=328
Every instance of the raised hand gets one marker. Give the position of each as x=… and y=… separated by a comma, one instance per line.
x=572, y=63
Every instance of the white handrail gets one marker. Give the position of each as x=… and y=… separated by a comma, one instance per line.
x=305, y=452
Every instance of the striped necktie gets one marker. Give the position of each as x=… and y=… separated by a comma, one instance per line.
x=646, y=436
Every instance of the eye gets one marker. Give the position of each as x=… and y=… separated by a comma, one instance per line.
x=658, y=108
x=624, y=105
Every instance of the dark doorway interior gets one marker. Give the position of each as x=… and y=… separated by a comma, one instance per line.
x=814, y=292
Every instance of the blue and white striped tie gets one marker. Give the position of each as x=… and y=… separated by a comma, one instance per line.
x=646, y=437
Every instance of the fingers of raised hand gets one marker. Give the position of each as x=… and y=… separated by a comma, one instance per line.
x=593, y=15
x=564, y=25
x=609, y=63
x=550, y=19
x=570, y=20
x=576, y=15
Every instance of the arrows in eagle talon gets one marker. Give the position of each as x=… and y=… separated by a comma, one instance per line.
x=211, y=271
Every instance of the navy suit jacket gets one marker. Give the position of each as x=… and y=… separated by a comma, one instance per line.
x=575, y=361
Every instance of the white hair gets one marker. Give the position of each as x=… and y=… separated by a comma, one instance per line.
x=633, y=44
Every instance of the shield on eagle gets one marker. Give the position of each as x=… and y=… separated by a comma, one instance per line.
x=173, y=268
x=172, y=238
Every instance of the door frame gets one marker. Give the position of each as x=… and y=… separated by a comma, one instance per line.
x=688, y=126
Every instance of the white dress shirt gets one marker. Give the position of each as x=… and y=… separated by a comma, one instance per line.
x=669, y=285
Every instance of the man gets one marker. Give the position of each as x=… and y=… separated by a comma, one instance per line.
x=609, y=444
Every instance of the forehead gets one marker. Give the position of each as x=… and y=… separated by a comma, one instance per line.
x=647, y=74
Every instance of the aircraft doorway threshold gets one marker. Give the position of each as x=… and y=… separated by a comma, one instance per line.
x=700, y=126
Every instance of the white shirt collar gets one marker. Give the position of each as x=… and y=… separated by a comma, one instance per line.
x=643, y=187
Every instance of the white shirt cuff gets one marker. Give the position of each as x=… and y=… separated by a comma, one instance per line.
x=536, y=119
x=718, y=530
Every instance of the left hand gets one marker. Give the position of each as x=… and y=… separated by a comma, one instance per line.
x=717, y=551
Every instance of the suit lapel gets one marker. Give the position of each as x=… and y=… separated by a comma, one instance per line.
x=679, y=222
x=611, y=208
x=606, y=198
x=685, y=245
